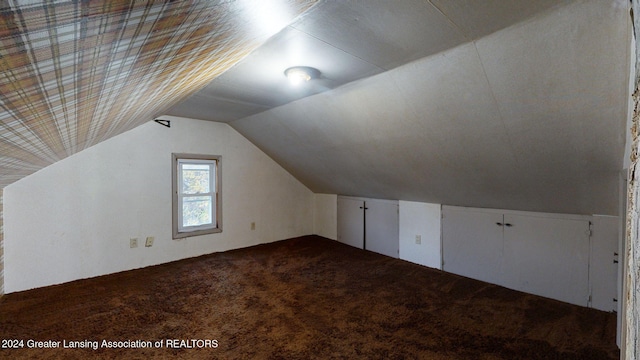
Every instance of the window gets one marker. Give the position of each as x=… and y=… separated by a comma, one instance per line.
x=196, y=195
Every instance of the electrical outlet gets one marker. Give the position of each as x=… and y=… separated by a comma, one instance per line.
x=149, y=241
x=133, y=243
x=253, y=226
x=418, y=239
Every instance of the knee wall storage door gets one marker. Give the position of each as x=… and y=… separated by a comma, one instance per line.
x=472, y=243
x=542, y=254
x=382, y=233
x=547, y=257
x=369, y=224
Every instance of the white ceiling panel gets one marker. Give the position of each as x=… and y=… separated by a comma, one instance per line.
x=476, y=19
x=258, y=80
x=559, y=81
x=384, y=33
x=347, y=41
x=203, y=107
x=455, y=109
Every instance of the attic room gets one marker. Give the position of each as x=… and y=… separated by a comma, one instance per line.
x=419, y=179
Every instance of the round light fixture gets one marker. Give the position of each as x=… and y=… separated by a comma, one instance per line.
x=301, y=74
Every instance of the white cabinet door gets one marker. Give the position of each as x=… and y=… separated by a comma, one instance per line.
x=351, y=221
x=547, y=257
x=382, y=227
x=536, y=253
x=472, y=243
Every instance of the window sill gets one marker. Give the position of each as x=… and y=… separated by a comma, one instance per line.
x=186, y=234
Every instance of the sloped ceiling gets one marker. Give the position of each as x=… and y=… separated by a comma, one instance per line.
x=510, y=104
x=74, y=73
x=530, y=117
x=347, y=41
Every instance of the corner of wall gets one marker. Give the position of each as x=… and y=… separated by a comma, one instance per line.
x=325, y=215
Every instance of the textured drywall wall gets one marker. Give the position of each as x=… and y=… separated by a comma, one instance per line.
x=74, y=218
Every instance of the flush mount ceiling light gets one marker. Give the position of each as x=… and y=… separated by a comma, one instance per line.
x=301, y=74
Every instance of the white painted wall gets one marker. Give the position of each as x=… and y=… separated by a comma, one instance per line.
x=422, y=219
x=74, y=219
x=325, y=215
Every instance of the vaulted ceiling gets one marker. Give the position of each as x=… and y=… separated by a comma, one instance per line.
x=510, y=104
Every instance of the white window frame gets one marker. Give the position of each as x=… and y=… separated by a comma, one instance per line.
x=179, y=230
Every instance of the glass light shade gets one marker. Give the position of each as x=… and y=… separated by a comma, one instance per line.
x=300, y=74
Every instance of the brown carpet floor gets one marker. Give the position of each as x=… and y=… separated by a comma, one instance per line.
x=303, y=298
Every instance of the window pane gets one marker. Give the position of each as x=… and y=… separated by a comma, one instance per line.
x=195, y=179
x=196, y=189
x=196, y=211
